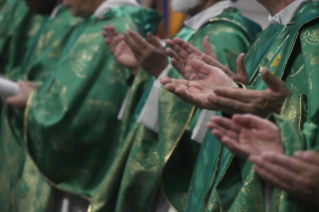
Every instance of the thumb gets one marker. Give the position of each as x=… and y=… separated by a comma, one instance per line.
x=272, y=82
x=241, y=69
x=153, y=40
x=208, y=48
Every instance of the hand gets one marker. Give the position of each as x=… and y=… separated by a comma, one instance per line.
x=298, y=176
x=151, y=54
x=20, y=100
x=260, y=103
x=184, y=54
x=120, y=50
x=246, y=135
x=197, y=92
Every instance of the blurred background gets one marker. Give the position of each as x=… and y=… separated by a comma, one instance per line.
x=172, y=21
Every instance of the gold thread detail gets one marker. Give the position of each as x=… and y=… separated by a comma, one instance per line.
x=167, y=157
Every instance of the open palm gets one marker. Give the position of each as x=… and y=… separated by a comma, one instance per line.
x=198, y=91
x=247, y=135
x=119, y=49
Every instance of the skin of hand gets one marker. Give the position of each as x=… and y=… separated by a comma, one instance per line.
x=197, y=92
x=246, y=135
x=20, y=100
x=298, y=175
x=260, y=103
x=120, y=50
x=182, y=53
x=150, y=53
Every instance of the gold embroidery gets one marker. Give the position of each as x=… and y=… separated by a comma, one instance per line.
x=276, y=63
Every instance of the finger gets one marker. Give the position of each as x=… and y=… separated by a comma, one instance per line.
x=271, y=178
x=133, y=46
x=227, y=124
x=139, y=40
x=171, y=54
x=178, y=67
x=311, y=157
x=179, y=51
x=189, y=48
x=208, y=48
x=234, y=147
x=165, y=80
x=282, y=160
x=237, y=94
x=253, y=122
x=213, y=62
x=228, y=105
x=201, y=67
x=153, y=40
x=273, y=82
x=241, y=69
x=280, y=171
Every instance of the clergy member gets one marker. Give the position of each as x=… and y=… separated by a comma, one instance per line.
x=276, y=50
x=71, y=127
x=281, y=154
x=158, y=134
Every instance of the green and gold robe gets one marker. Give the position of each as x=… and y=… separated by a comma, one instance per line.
x=18, y=26
x=230, y=34
x=147, y=149
x=47, y=45
x=71, y=127
x=233, y=185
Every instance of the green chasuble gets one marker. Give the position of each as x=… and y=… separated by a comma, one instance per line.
x=233, y=186
x=230, y=34
x=142, y=174
x=71, y=127
x=17, y=29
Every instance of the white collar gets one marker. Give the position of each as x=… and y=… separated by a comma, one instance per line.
x=285, y=15
x=197, y=21
x=55, y=11
x=107, y=5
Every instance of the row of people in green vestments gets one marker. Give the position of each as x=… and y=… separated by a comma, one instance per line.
x=222, y=117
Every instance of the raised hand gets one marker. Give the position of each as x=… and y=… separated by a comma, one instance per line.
x=150, y=54
x=120, y=50
x=183, y=53
x=20, y=100
x=260, y=103
x=197, y=92
x=299, y=176
x=246, y=135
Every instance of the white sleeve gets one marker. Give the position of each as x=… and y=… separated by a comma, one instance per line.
x=8, y=88
x=200, y=129
x=149, y=114
x=123, y=107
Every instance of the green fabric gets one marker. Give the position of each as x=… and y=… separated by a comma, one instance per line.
x=16, y=33
x=289, y=58
x=230, y=34
x=140, y=178
x=71, y=123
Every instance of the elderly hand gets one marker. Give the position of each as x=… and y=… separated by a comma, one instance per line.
x=120, y=50
x=185, y=53
x=197, y=92
x=182, y=54
x=298, y=176
x=246, y=135
x=20, y=100
x=150, y=54
x=260, y=103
